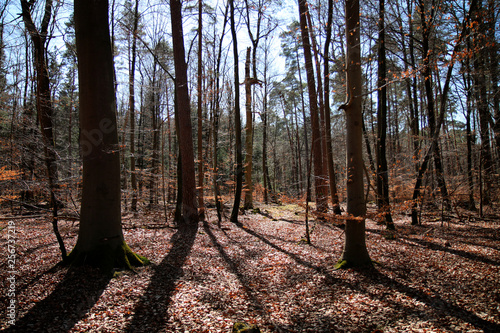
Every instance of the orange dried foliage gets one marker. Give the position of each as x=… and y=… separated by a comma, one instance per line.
x=8, y=174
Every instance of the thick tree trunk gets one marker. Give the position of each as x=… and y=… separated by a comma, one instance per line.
x=319, y=179
x=100, y=237
x=189, y=202
x=355, y=252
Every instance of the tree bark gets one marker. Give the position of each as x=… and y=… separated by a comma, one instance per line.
x=426, y=26
x=131, y=105
x=493, y=50
x=201, y=174
x=189, y=203
x=329, y=150
x=249, y=135
x=482, y=100
x=218, y=203
x=153, y=199
x=442, y=111
x=100, y=237
x=44, y=106
x=382, y=172
x=319, y=179
x=237, y=121
x=355, y=252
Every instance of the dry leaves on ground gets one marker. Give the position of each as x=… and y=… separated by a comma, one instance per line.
x=432, y=278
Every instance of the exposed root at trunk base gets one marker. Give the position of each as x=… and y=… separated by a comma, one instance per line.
x=345, y=264
x=108, y=257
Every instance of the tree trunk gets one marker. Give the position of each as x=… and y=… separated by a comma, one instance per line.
x=493, y=50
x=218, y=204
x=189, y=203
x=426, y=26
x=470, y=141
x=44, y=106
x=249, y=136
x=155, y=98
x=265, y=168
x=355, y=252
x=237, y=121
x=319, y=179
x=303, y=109
x=133, y=179
x=100, y=237
x=482, y=101
x=442, y=111
x=329, y=150
x=131, y=105
x=382, y=172
x=201, y=174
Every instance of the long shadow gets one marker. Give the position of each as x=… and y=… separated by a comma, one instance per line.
x=293, y=256
x=150, y=313
x=233, y=267
x=441, y=306
x=461, y=253
x=70, y=301
x=439, y=247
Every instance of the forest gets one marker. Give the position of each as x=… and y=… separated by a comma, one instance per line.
x=250, y=166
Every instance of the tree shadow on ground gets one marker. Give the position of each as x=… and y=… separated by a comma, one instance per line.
x=464, y=254
x=440, y=247
x=150, y=313
x=441, y=307
x=70, y=301
x=233, y=267
x=291, y=255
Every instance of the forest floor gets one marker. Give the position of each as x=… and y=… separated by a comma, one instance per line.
x=438, y=277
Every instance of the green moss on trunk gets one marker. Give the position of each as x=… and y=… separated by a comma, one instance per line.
x=108, y=257
x=345, y=264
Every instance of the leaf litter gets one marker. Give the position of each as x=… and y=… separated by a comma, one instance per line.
x=430, y=278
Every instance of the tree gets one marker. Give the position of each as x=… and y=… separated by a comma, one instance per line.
x=260, y=6
x=482, y=100
x=131, y=104
x=431, y=151
x=319, y=179
x=100, y=236
x=382, y=172
x=44, y=105
x=216, y=116
x=427, y=16
x=200, y=118
x=355, y=252
x=237, y=120
x=249, y=81
x=328, y=132
x=184, y=133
